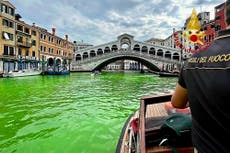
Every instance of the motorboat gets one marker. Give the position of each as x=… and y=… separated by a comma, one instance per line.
x=21, y=73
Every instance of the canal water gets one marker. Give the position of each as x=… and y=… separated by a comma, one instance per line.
x=76, y=113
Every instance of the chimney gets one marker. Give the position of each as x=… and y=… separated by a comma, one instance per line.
x=67, y=37
x=174, y=30
x=67, y=40
x=53, y=31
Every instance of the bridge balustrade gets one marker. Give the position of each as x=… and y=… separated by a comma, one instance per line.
x=126, y=53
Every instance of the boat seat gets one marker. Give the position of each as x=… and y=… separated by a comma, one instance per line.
x=152, y=129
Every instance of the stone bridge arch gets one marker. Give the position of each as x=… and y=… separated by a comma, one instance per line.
x=143, y=61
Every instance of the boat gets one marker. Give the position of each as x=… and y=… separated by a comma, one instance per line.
x=142, y=132
x=168, y=74
x=21, y=73
x=64, y=72
x=57, y=71
x=96, y=72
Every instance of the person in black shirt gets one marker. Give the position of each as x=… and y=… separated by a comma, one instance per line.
x=204, y=83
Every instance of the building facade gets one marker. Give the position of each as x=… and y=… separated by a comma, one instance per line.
x=27, y=47
x=219, y=18
x=8, y=58
x=55, y=52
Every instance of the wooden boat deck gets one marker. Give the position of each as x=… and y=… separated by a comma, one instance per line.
x=150, y=113
x=156, y=110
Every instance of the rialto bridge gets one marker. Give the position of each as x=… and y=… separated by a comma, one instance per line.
x=125, y=47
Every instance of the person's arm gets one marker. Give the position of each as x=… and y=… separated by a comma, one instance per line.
x=180, y=97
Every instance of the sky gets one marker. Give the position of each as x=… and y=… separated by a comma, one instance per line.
x=101, y=21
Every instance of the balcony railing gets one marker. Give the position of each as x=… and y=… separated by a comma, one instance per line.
x=32, y=58
x=8, y=56
x=24, y=44
x=23, y=33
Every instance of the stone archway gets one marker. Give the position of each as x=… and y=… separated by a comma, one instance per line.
x=50, y=61
x=125, y=43
x=143, y=61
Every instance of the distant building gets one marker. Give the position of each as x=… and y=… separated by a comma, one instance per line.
x=219, y=18
x=203, y=17
x=80, y=45
x=209, y=29
x=171, y=42
x=155, y=41
x=54, y=50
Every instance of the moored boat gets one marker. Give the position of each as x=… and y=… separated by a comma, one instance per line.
x=142, y=132
x=168, y=74
x=21, y=73
x=57, y=72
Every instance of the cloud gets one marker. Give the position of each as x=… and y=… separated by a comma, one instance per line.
x=101, y=21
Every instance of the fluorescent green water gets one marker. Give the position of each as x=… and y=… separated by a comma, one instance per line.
x=71, y=114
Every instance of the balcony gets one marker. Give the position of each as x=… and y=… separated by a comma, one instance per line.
x=19, y=32
x=24, y=44
x=10, y=57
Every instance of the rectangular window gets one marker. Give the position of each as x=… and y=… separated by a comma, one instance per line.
x=27, y=30
x=33, y=53
x=41, y=47
x=5, y=22
x=11, y=36
x=11, y=11
x=219, y=8
x=218, y=18
x=34, y=42
x=11, y=50
x=20, y=39
x=19, y=27
x=19, y=51
x=4, y=8
x=34, y=33
x=27, y=52
x=7, y=36
x=11, y=24
x=6, y=48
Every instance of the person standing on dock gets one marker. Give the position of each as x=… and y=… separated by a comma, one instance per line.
x=204, y=83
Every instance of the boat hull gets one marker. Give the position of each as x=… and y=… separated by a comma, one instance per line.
x=57, y=72
x=123, y=145
x=21, y=74
x=168, y=74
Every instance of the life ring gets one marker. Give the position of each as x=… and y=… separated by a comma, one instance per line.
x=170, y=109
